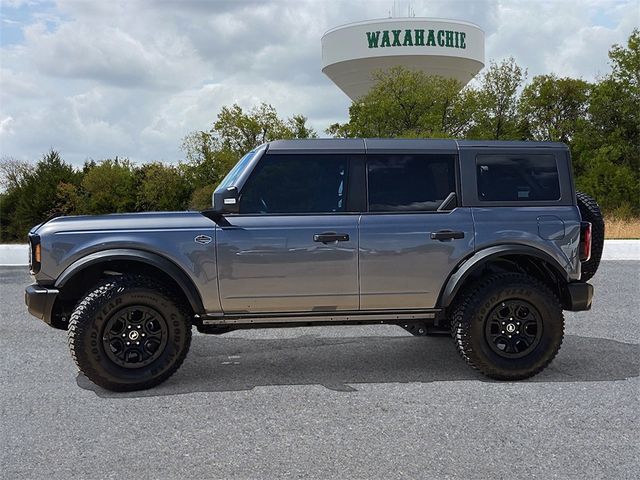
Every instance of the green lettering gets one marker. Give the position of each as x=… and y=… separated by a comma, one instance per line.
x=441, y=38
x=396, y=38
x=408, y=41
x=462, y=44
x=457, y=39
x=448, y=35
x=419, y=37
x=431, y=39
x=385, y=39
x=373, y=37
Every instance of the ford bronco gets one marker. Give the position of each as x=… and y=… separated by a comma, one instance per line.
x=488, y=241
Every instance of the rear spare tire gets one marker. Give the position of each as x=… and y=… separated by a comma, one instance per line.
x=590, y=212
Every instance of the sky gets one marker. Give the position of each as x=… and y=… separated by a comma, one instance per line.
x=96, y=79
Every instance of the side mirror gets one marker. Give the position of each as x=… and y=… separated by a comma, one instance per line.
x=226, y=200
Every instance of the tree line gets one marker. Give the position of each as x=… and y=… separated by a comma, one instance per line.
x=599, y=121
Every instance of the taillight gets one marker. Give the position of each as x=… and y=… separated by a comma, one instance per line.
x=585, y=241
x=35, y=254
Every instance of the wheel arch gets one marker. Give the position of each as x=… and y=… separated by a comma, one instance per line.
x=511, y=257
x=81, y=275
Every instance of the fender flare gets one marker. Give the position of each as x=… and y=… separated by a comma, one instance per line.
x=178, y=275
x=480, y=258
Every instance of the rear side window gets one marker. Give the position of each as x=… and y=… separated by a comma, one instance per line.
x=517, y=178
x=399, y=182
x=296, y=184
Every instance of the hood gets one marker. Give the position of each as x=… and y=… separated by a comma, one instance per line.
x=124, y=221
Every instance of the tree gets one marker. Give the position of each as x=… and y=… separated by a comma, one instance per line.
x=201, y=198
x=206, y=163
x=607, y=157
x=552, y=108
x=616, y=187
x=298, y=128
x=109, y=187
x=240, y=132
x=408, y=103
x=162, y=187
x=626, y=63
x=12, y=172
x=12, y=177
x=35, y=197
x=211, y=154
x=497, y=113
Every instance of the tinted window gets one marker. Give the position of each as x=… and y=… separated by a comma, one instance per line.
x=235, y=172
x=409, y=182
x=517, y=178
x=296, y=184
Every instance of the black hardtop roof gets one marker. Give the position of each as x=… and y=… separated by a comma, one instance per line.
x=386, y=145
x=509, y=144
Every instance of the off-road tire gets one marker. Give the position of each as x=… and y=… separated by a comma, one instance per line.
x=91, y=316
x=471, y=312
x=590, y=212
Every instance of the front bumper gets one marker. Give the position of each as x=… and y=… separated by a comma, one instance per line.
x=39, y=301
x=580, y=296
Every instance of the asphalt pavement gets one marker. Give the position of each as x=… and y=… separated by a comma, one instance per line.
x=329, y=402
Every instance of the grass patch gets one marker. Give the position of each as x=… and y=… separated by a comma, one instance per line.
x=622, y=228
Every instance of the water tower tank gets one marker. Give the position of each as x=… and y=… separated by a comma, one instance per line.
x=352, y=53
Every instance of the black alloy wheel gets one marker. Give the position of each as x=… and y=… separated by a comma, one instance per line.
x=513, y=328
x=135, y=336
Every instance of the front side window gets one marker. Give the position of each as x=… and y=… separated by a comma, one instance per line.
x=296, y=183
x=517, y=178
x=235, y=172
x=399, y=182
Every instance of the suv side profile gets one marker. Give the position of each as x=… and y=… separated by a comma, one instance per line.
x=486, y=240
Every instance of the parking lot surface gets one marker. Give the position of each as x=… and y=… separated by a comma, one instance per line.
x=329, y=402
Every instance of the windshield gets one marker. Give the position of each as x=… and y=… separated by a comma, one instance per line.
x=235, y=172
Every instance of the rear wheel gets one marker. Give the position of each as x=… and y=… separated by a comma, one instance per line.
x=590, y=212
x=509, y=327
x=129, y=333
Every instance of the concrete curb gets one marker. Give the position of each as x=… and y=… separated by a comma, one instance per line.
x=14, y=255
x=18, y=255
x=621, y=250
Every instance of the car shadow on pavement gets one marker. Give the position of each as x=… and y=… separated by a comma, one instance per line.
x=223, y=364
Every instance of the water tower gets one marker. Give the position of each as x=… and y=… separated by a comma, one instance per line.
x=352, y=53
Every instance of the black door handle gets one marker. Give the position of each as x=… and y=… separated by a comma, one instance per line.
x=330, y=237
x=446, y=235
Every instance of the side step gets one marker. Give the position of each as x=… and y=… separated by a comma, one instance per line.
x=346, y=317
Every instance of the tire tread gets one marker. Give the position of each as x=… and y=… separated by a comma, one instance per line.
x=460, y=325
x=590, y=212
x=82, y=314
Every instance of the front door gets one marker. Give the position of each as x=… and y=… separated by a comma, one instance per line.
x=408, y=247
x=293, y=247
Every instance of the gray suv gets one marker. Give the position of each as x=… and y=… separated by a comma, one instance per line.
x=487, y=241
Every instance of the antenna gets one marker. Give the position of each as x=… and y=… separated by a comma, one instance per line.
x=397, y=9
x=411, y=12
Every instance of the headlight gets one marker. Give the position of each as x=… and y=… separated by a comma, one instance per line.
x=35, y=254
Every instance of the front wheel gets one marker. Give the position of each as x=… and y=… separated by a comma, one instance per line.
x=129, y=333
x=509, y=326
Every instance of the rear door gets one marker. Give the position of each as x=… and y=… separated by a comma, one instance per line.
x=294, y=245
x=407, y=247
